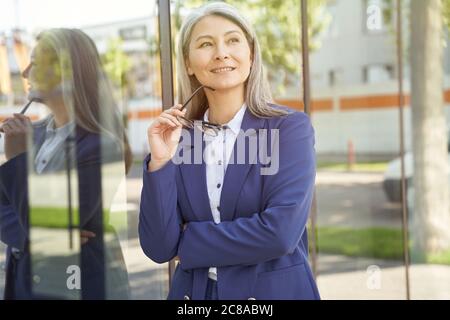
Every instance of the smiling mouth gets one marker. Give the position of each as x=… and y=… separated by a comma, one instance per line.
x=221, y=70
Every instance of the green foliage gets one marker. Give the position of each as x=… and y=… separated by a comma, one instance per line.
x=446, y=12
x=390, y=7
x=116, y=63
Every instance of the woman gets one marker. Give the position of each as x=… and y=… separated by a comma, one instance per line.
x=83, y=131
x=236, y=225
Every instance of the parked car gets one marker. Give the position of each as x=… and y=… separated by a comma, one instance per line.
x=392, y=176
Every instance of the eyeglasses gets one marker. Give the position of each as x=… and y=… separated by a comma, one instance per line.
x=209, y=128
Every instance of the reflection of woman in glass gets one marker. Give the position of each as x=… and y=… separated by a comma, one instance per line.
x=82, y=132
x=238, y=233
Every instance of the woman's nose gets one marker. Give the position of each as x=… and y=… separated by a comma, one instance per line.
x=222, y=53
x=26, y=71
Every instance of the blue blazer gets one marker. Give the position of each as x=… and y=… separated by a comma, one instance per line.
x=260, y=248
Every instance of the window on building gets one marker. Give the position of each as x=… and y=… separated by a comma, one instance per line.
x=378, y=73
x=334, y=77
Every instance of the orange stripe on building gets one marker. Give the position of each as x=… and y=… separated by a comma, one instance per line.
x=316, y=105
x=5, y=76
x=322, y=105
x=346, y=103
x=447, y=96
x=371, y=102
x=144, y=114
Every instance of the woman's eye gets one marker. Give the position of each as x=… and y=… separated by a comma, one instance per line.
x=233, y=40
x=205, y=44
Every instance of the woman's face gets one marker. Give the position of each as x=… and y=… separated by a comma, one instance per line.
x=219, y=54
x=42, y=73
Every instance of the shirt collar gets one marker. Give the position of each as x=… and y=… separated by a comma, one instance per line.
x=64, y=130
x=235, y=123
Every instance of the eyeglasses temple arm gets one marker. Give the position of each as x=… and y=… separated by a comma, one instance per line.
x=190, y=98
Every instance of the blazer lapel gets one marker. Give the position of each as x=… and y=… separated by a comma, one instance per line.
x=194, y=176
x=237, y=173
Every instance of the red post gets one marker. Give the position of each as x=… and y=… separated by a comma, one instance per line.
x=350, y=155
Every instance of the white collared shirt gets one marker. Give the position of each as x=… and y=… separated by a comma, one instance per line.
x=54, y=139
x=217, y=154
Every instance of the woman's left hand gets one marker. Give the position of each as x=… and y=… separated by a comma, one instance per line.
x=86, y=235
x=184, y=226
x=16, y=130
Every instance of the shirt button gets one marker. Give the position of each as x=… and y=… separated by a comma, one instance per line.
x=219, y=162
x=218, y=208
x=36, y=279
x=218, y=185
x=44, y=161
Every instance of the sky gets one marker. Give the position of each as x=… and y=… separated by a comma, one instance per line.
x=33, y=15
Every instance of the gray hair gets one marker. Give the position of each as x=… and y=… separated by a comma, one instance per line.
x=257, y=91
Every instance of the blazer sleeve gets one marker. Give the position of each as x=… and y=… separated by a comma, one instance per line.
x=274, y=232
x=160, y=222
x=14, y=189
x=11, y=231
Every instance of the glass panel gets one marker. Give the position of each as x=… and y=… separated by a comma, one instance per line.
x=99, y=89
x=355, y=115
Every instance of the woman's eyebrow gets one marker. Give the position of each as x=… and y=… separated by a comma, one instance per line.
x=211, y=37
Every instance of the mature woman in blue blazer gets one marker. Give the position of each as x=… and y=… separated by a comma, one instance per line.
x=229, y=180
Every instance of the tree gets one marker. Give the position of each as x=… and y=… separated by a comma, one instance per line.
x=446, y=13
x=117, y=64
x=431, y=216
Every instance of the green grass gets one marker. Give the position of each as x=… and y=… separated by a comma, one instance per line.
x=442, y=258
x=51, y=217
x=360, y=166
x=379, y=243
x=58, y=218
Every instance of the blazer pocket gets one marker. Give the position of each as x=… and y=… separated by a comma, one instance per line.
x=291, y=283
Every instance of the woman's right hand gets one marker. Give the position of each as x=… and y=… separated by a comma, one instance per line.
x=163, y=137
x=16, y=130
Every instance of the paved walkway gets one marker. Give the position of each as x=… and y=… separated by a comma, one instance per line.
x=369, y=279
x=354, y=199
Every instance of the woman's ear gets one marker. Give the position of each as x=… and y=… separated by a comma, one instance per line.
x=188, y=68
